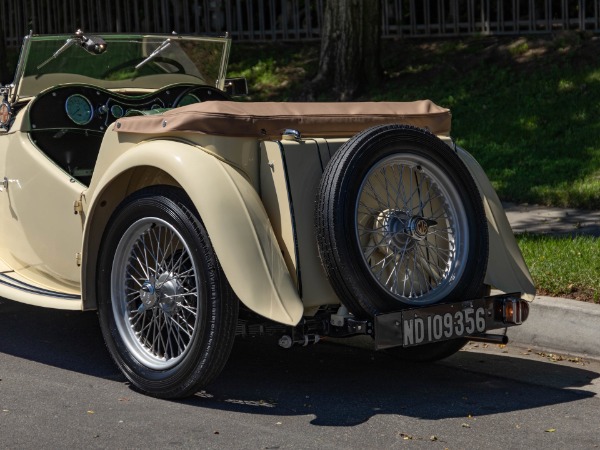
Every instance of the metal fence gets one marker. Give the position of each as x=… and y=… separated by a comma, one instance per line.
x=258, y=20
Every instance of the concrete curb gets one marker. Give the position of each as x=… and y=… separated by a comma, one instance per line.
x=562, y=326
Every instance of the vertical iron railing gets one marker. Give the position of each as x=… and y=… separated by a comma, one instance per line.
x=259, y=20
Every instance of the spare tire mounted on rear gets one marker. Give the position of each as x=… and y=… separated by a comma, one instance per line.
x=400, y=222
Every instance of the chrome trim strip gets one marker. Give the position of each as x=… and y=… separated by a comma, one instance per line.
x=20, y=68
x=22, y=286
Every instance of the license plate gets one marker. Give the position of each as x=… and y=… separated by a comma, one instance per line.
x=441, y=323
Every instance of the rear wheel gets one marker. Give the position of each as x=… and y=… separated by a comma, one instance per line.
x=166, y=310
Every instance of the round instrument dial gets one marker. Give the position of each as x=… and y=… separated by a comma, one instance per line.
x=188, y=99
x=79, y=109
x=117, y=111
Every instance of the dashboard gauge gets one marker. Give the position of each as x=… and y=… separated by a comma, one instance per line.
x=117, y=111
x=188, y=99
x=79, y=109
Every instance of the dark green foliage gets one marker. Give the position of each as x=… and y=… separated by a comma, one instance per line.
x=527, y=108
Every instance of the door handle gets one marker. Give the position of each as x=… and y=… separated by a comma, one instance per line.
x=4, y=184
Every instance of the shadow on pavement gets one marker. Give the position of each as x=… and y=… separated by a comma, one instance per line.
x=67, y=339
x=344, y=386
x=336, y=384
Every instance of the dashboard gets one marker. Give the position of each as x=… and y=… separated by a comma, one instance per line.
x=68, y=122
x=93, y=108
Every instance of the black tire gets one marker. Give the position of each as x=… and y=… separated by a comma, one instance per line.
x=167, y=313
x=400, y=222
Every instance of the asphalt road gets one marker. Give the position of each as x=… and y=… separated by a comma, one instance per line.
x=59, y=389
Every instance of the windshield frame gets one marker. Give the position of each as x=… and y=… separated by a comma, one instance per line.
x=22, y=84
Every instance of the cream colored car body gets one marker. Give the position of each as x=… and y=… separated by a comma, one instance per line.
x=254, y=190
x=52, y=225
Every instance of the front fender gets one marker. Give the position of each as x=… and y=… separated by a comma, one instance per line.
x=232, y=213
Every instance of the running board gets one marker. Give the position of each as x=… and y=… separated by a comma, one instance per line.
x=7, y=280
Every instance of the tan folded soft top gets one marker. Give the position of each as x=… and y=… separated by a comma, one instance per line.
x=268, y=120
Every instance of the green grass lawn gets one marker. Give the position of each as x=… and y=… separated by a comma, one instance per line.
x=564, y=267
x=527, y=108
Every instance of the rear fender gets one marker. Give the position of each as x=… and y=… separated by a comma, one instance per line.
x=229, y=207
x=506, y=269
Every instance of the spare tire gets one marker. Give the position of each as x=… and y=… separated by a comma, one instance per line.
x=400, y=222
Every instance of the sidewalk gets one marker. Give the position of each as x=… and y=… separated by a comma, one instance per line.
x=558, y=324
x=555, y=221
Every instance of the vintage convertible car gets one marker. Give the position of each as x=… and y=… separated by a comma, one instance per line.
x=133, y=185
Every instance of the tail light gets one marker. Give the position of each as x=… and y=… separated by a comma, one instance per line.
x=515, y=311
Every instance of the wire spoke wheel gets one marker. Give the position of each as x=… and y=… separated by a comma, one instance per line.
x=400, y=222
x=410, y=230
x=155, y=283
x=167, y=313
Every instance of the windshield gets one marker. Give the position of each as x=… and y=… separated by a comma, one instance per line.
x=126, y=61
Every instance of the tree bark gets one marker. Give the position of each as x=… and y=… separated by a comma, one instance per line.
x=4, y=75
x=349, y=56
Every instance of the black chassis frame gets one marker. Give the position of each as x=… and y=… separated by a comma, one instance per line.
x=386, y=329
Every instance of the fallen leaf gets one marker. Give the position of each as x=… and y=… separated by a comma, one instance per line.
x=90, y=412
x=466, y=425
x=433, y=438
x=550, y=430
x=406, y=437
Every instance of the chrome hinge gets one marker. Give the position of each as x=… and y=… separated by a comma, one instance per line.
x=77, y=207
x=78, y=259
x=291, y=135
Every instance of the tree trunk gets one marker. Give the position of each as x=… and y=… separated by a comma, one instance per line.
x=349, y=56
x=4, y=75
